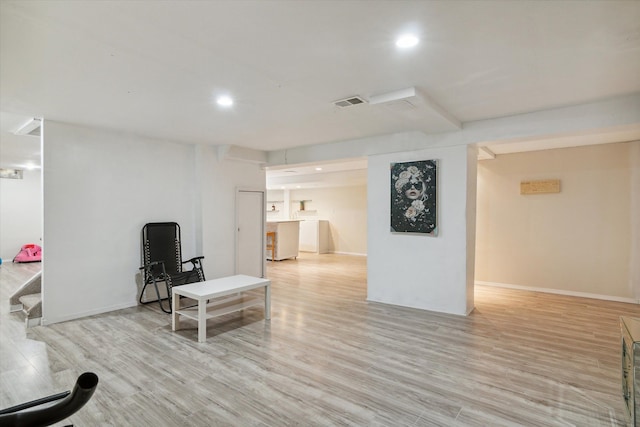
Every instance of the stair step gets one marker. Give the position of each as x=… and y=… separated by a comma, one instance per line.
x=31, y=286
x=32, y=304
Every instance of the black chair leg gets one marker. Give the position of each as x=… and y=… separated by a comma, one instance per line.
x=155, y=285
x=160, y=299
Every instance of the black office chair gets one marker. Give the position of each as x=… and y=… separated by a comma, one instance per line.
x=162, y=260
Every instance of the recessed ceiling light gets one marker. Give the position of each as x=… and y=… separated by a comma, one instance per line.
x=406, y=41
x=225, y=101
x=318, y=169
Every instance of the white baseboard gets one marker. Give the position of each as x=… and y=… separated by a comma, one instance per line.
x=35, y=321
x=75, y=316
x=348, y=253
x=560, y=292
x=15, y=307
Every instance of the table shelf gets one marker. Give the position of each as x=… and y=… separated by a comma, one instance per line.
x=220, y=308
x=216, y=298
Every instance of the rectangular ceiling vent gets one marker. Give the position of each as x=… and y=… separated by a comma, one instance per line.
x=348, y=102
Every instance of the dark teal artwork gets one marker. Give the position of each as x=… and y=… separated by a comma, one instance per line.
x=413, y=197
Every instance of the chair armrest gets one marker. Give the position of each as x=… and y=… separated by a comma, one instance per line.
x=193, y=260
x=151, y=264
x=197, y=266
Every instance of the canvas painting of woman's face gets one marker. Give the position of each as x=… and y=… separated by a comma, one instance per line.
x=413, y=197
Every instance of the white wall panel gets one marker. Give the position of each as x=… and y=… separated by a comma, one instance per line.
x=100, y=188
x=20, y=213
x=423, y=271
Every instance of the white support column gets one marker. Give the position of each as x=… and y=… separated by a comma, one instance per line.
x=287, y=204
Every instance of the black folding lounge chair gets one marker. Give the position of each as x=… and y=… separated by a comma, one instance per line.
x=162, y=259
x=67, y=403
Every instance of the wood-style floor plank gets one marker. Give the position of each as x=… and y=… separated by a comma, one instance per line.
x=328, y=357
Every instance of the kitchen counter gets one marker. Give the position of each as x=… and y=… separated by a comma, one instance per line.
x=287, y=239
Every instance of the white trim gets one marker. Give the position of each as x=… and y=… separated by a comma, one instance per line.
x=347, y=253
x=559, y=292
x=417, y=307
x=101, y=310
x=263, y=193
x=34, y=321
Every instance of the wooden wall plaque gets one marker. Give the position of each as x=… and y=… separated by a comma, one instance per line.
x=540, y=187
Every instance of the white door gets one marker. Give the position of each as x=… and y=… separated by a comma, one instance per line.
x=250, y=217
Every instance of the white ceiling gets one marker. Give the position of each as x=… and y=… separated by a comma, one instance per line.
x=17, y=151
x=154, y=68
x=335, y=174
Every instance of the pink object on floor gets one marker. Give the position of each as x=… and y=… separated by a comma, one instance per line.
x=29, y=253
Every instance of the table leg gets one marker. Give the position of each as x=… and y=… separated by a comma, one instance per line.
x=267, y=302
x=175, y=306
x=202, y=320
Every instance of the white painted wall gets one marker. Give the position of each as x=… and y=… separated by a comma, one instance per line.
x=346, y=210
x=275, y=199
x=100, y=188
x=634, y=259
x=104, y=204
x=218, y=180
x=422, y=271
x=601, y=117
x=20, y=213
x=471, y=221
x=578, y=240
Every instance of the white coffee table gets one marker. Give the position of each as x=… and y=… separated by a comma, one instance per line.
x=217, y=288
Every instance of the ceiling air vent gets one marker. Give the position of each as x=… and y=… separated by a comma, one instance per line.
x=348, y=102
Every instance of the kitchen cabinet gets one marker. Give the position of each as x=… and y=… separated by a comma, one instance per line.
x=287, y=239
x=314, y=236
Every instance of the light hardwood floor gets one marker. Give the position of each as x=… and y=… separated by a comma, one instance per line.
x=329, y=357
